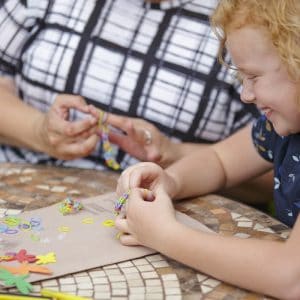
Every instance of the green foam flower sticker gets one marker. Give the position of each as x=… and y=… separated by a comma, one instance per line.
x=19, y=282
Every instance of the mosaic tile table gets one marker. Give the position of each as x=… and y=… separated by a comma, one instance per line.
x=27, y=187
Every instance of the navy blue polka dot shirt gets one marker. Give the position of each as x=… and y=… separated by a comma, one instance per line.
x=284, y=153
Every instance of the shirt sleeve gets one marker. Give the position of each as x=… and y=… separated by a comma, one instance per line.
x=15, y=25
x=264, y=138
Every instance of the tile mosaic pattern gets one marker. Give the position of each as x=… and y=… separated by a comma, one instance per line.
x=26, y=187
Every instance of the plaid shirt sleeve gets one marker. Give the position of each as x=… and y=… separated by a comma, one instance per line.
x=15, y=25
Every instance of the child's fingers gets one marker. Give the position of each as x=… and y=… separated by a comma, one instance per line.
x=128, y=240
x=122, y=225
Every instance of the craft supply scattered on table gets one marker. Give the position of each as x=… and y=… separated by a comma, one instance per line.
x=121, y=201
x=70, y=206
x=107, y=148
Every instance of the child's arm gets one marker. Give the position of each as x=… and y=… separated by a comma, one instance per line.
x=268, y=267
x=223, y=164
x=209, y=169
x=263, y=266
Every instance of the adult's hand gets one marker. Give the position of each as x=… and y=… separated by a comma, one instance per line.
x=138, y=137
x=64, y=139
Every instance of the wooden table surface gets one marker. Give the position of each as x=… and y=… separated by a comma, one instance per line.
x=28, y=187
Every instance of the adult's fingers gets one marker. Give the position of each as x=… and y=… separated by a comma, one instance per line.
x=76, y=149
x=67, y=101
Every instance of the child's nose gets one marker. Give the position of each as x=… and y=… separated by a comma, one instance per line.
x=247, y=94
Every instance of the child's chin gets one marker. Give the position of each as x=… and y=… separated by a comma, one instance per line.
x=282, y=131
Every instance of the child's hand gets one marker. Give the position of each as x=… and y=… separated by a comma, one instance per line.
x=64, y=139
x=147, y=223
x=145, y=175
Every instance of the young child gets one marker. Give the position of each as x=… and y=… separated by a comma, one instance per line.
x=263, y=40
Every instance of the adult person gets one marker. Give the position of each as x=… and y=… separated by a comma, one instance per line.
x=152, y=61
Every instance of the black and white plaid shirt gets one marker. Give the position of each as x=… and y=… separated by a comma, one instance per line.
x=157, y=62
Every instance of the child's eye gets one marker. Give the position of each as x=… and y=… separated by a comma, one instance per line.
x=252, y=77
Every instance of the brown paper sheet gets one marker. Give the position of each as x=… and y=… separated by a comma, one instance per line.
x=84, y=246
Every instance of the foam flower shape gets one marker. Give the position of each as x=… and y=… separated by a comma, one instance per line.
x=18, y=281
x=25, y=268
x=22, y=256
x=6, y=257
x=46, y=259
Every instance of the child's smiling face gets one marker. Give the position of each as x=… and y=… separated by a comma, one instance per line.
x=265, y=79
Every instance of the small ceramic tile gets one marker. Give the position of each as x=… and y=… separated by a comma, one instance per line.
x=244, y=219
x=119, y=292
x=36, y=288
x=49, y=283
x=285, y=235
x=68, y=288
x=70, y=179
x=85, y=285
x=156, y=257
x=136, y=297
x=43, y=187
x=113, y=272
x=25, y=179
x=99, y=280
x=13, y=171
x=160, y=264
x=235, y=215
x=245, y=224
x=258, y=226
x=154, y=289
x=135, y=282
x=10, y=212
x=101, y=288
x=82, y=279
x=114, y=266
x=132, y=276
x=268, y=230
x=206, y=289
x=169, y=277
x=114, y=278
x=154, y=296
x=172, y=291
x=74, y=192
x=3, y=211
x=137, y=290
x=126, y=264
x=201, y=277
x=58, y=189
x=85, y=293
x=97, y=274
x=147, y=275
x=145, y=268
x=130, y=270
x=102, y=296
x=175, y=297
x=211, y=282
x=28, y=171
x=140, y=261
x=218, y=211
x=171, y=283
x=67, y=280
x=118, y=285
x=152, y=282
